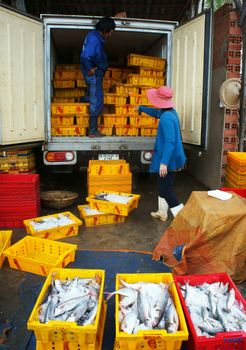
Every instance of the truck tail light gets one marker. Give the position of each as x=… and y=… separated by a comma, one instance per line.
x=60, y=157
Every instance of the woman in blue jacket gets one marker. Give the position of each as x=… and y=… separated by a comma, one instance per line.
x=168, y=156
x=94, y=64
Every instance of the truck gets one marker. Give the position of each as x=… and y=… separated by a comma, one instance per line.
x=32, y=47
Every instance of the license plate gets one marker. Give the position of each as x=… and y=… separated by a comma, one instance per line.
x=108, y=157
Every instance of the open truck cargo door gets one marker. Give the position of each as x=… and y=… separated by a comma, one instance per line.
x=21, y=78
x=191, y=67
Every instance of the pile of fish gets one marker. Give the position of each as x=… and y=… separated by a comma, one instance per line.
x=51, y=222
x=74, y=300
x=114, y=198
x=213, y=308
x=146, y=306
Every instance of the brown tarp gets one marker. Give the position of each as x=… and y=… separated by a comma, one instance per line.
x=213, y=233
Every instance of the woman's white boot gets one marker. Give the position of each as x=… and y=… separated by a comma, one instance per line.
x=162, y=210
x=176, y=210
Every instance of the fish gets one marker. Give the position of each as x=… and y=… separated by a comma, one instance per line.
x=91, y=315
x=213, y=308
x=72, y=300
x=78, y=311
x=230, y=299
x=144, y=305
x=171, y=318
x=129, y=323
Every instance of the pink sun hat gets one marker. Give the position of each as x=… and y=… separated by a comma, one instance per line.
x=161, y=97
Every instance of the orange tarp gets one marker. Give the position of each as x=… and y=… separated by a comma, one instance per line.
x=213, y=233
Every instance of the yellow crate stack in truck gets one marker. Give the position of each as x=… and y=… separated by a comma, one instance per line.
x=124, y=89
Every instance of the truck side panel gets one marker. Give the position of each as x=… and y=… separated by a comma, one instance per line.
x=21, y=79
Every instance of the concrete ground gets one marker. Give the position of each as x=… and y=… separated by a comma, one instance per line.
x=140, y=232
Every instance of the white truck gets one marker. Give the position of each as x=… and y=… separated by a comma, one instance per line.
x=30, y=49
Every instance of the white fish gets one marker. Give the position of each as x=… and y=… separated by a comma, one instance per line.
x=129, y=323
x=172, y=319
x=140, y=327
x=92, y=315
x=230, y=299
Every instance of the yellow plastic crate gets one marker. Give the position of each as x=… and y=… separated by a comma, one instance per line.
x=38, y=255
x=68, y=131
x=61, y=67
x=146, y=61
x=108, y=167
x=63, y=99
x=66, y=74
x=236, y=166
x=63, y=84
x=126, y=89
x=137, y=79
x=108, y=83
x=107, y=180
x=151, y=72
x=116, y=73
x=62, y=120
x=68, y=93
x=237, y=178
x=95, y=188
x=55, y=232
x=148, y=121
x=126, y=130
x=150, y=339
x=237, y=161
x=98, y=218
x=142, y=121
x=106, y=130
x=135, y=121
x=113, y=207
x=5, y=242
x=80, y=83
x=144, y=89
x=110, y=98
x=117, y=183
x=139, y=100
x=231, y=184
x=239, y=157
x=69, y=108
x=82, y=120
x=79, y=345
x=58, y=331
x=111, y=120
x=126, y=110
x=148, y=132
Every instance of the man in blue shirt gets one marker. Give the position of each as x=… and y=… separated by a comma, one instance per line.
x=168, y=156
x=94, y=64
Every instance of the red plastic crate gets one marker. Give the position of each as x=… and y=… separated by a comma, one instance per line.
x=240, y=191
x=19, y=199
x=221, y=341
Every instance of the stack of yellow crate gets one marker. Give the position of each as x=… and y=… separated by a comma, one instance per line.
x=17, y=161
x=113, y=175
x=69, y=119
x=105, y=176
x=236, y=170
x=124, y=89
x=150, y=74
x=68, y=82
x=129, y=92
